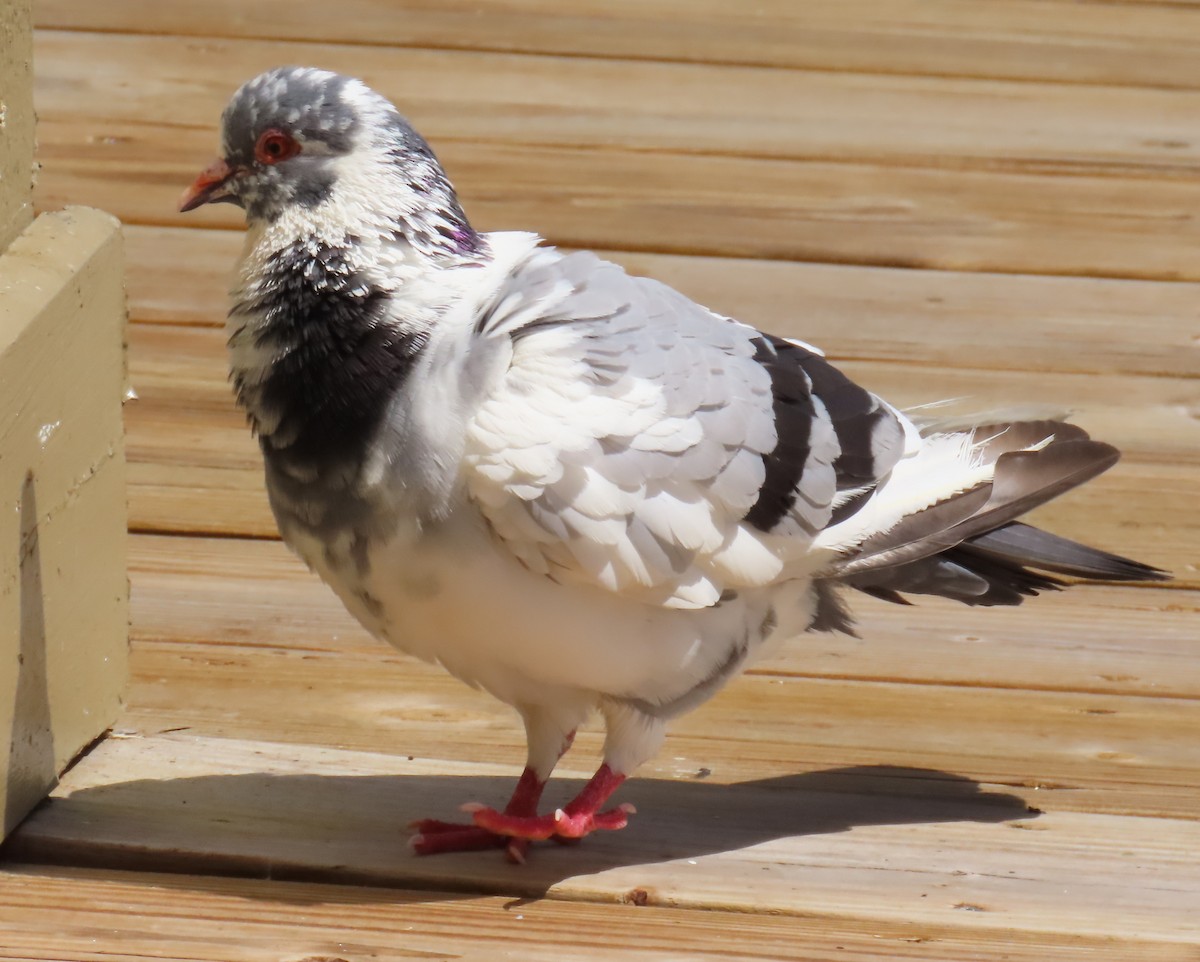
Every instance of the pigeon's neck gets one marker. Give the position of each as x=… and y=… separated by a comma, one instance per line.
x=322, y=334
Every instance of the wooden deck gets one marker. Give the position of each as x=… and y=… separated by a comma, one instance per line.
x=994, y=198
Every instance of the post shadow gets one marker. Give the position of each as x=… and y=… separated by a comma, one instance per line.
x=31, y=768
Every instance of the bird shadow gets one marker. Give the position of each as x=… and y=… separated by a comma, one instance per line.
x=352, y=829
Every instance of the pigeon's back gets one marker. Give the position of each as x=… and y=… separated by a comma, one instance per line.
x=644, y=445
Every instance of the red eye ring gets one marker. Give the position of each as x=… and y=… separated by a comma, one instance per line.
x=275, y=145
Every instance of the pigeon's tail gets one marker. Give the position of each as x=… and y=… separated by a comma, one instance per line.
x=1001, y=567
x=969, y=546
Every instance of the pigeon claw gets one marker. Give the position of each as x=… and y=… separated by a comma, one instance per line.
x=577, y=826
x=459, y=838
x=435, y=837
x=432, y=826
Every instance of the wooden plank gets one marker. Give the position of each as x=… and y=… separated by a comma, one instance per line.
x=55, y=914
x=1152, y=44
x=941, y=318
x=1006, y=177
x=854, y=213
x=766, y=846
x=229, y=592
x=693, y=108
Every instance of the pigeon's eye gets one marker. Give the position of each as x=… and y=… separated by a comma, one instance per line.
x=274, y=146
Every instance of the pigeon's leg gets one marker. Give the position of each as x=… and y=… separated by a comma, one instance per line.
x=633, y=736
x=548, y=742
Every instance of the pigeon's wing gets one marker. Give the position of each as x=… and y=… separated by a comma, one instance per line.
x=640, y=443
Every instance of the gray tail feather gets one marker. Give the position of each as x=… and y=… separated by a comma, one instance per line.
x=1022, y=544
x=1001, y=567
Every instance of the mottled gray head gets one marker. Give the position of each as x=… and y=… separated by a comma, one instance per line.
x=299, y=136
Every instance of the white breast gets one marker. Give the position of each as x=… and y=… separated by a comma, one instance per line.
x=455, y=596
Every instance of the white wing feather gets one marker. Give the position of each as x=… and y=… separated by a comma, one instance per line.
x=625, y=442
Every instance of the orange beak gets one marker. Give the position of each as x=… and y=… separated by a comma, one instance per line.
x=212, y=185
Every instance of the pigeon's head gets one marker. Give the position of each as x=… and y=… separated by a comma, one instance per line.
x=297, y=139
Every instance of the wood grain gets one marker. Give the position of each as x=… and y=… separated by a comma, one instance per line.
x=694, y=109
x=576, y=150
x=781, y=210
x=55, y=914
x=1151, y=44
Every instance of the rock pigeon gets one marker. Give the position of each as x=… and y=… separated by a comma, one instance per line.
x=571, y=487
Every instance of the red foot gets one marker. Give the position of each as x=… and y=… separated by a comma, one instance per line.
x=580, y=817
x=561, y=824
x=518, y=824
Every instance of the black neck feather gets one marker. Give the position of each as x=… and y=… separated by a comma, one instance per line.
x=339, y=358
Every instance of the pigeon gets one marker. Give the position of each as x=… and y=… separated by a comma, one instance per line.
x=571, y=487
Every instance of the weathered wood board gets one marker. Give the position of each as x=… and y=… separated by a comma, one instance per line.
x=1152, y=44
x=52, y=913
x=594, y=103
